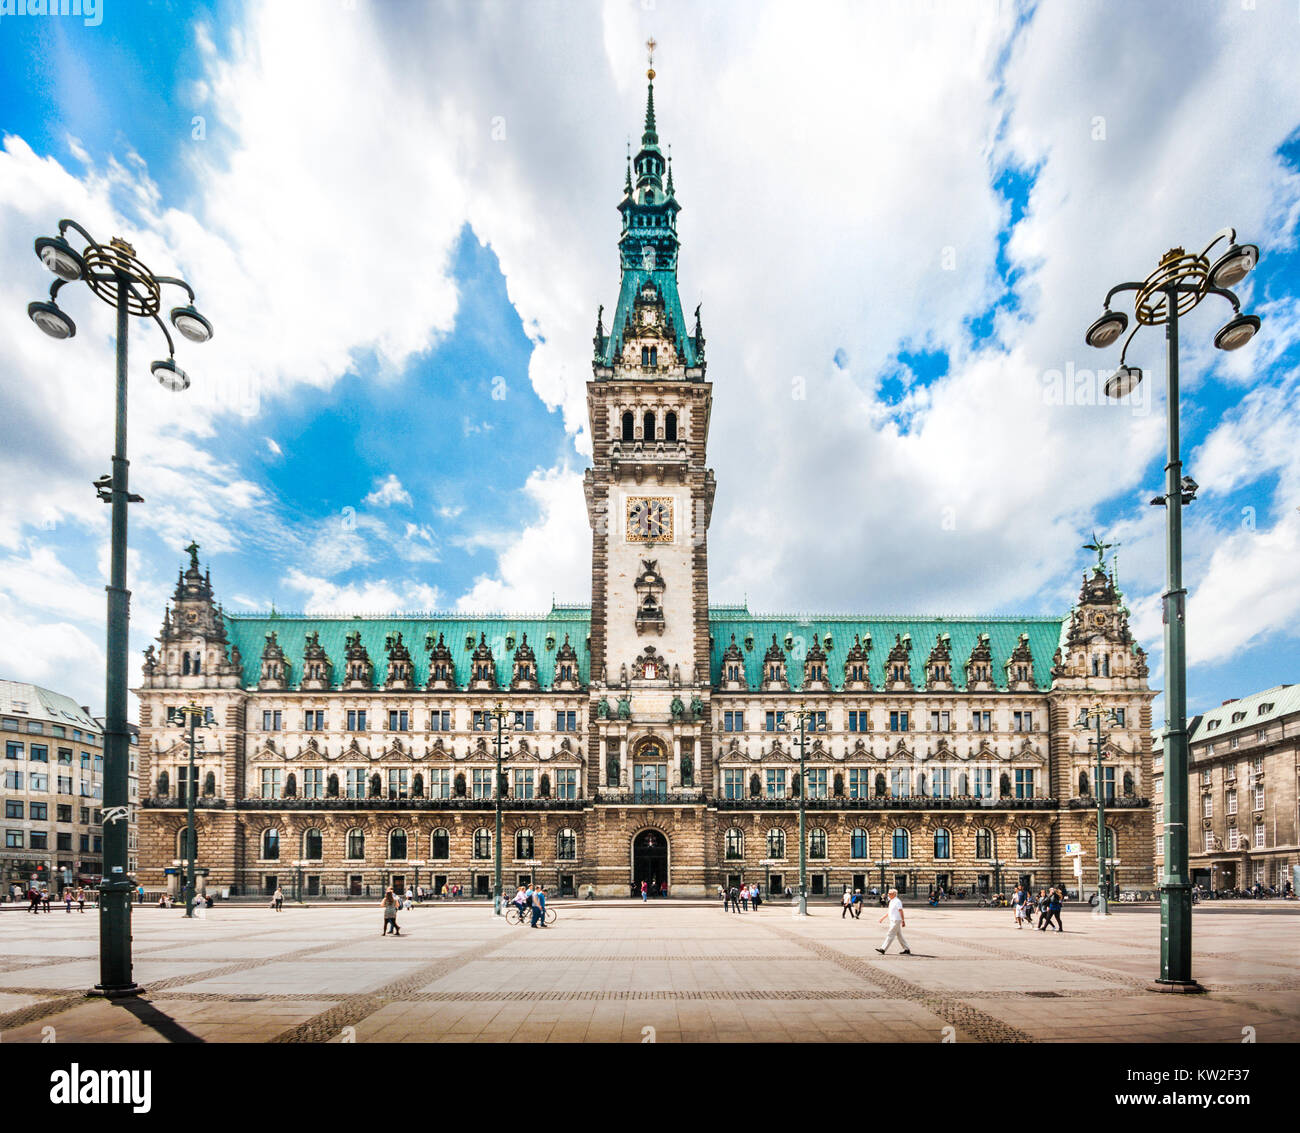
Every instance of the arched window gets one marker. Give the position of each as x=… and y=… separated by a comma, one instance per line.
x=654, y=355
x=482, y=843
x=880, y=789
x=185, y=664
x=645, y=355
x=984, y=844
x=942, y=843
x=440, y=845
x=670, y=427
x=902, y=843
x=356, y=844
x=271, y=844
x=1025, y=843
x=566, y=845
x=859, y=845
x=629, y=427
x=182, y=843
x=1083, y=784
x=313, y=848
x=397, y=844
x=776, y=844
x=648, y=430
x=817, y=842
x=523, y=844
x=735, y=844
x=1128, y=784
x=1111, y=843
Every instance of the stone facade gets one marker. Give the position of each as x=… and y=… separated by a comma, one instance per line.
x=649, y=736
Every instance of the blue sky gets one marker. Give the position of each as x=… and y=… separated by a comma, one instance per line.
x=403, y=264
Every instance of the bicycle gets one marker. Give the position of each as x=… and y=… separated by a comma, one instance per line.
x=516, y=916
x=997, y=901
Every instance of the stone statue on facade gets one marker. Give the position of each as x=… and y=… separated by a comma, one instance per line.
x=625, y=708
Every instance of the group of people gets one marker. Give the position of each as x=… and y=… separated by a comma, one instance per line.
x=740, y=898
x=525, y=898
x=1047, y=904
x=39, y=899
x=851, y=904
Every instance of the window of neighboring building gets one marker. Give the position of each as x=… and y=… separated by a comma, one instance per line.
x=13, y=839
x=13, y=808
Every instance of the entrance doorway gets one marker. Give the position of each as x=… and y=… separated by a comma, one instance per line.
x=776, y=884
x=649, y=861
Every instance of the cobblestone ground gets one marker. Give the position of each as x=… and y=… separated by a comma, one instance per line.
x=612, y=972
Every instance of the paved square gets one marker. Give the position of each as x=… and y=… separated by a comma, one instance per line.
x=622, y=972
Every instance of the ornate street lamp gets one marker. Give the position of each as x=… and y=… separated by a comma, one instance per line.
x=190, y=716
x=1092, y=718
x=807, y=722
x=1178, y=284
x=114, y=274
x=500, y=715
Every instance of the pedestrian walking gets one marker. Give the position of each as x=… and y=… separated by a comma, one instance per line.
x=857, y=904
x=81, y=900
x=35, y=898
x=757, y=896
x=645, y=891
x=744, y=898
x=277, y=900
x=539, y=908
x=139, y=889
x=67, y=899
x=1053, y=911
x=722, y=893
x=735, y=899
x=896, y=924
x=1044, y=910
x=846, y=905
x=390, y=914
x=45, y=900
x=1018, y=899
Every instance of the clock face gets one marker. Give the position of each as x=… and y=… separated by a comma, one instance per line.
x=1099, y=619
x=191, y=616
x=648, y=316
x=649, y=519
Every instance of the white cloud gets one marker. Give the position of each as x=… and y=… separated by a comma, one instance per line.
x=272, y=447
x=321, y=596
x=388, y=492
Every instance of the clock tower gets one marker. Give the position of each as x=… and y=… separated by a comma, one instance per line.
x=649, y=493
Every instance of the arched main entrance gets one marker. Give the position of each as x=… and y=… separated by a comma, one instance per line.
x=650, y=860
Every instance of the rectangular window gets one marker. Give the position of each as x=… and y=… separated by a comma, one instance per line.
x=733, y=721
x=314, y=720
x=271, y=720
x=356, y=719
x=941, y=783
x=1209, y=841
x=39, y=753
x=898, y=721
x=85, y=815
x=566, y=783
x=399, y=783
x=399, y=720
x=859, y=782
x=440, y=783
x=733, y=784
x=1157, y=762
x=272, y=782
x=13, y=808
x=650, y=779
x=858, y=718
x=1207, y=806
x=817, y=783
x=13, y=749
x=776, y=783
x=981, y=780
x=440, y=720
x=1119, y=717
x=356, y=783
x=1022, y=721
x=1259, y=798
x=40, y=840
x=1259, y=835
x=566, y=721
x=1234, y=838
x=1108, y=783
x=83, y=843
x=482, y=785
x=523, y=783
x=481, y=722
x=13, y=780
x=39, y=781
x=65, y=756
x=63, y=841
x=85, y=761
x=524, y=720
x=35, y=726
x=1025, y=782
x=900, y=782
x=97, y=844
x=773, y=721
x=13, y=839
x=313, y=783
x=1232, y=802
x=982, y=721
x=939, y=722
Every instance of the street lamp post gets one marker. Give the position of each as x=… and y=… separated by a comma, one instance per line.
x=1092, y=718
x=499, y=715
x=807, y=721
x=114, y=274
x=192, y=716
x=1178, y=284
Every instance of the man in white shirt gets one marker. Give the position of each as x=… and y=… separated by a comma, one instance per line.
x=896, y=924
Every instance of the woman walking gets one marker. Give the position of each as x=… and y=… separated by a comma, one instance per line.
x=390, y=914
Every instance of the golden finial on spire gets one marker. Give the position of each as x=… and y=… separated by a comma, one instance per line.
x=650, y=48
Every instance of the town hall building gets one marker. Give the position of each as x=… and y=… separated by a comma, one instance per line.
x=648, y=736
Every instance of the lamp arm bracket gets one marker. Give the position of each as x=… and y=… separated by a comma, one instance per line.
x=177, y=282
x=171, y=347
x=64, y=225
x=54, y=288
x=1228, y=295
x=1124, y=350
x=1229, y=233
x=1117, y=289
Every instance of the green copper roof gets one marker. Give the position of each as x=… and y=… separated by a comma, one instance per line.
x=504, y=634
x=795, y=636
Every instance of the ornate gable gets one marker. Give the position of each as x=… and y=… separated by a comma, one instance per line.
x=774, y=674
x=898, y=665
x=938, y=666
x=857, y=664
x=401, y=670
x=442, y=666
x=1019, y=666
x=816, y=672
x=566, y=666
x=317, y=671
x=731, y=675
x=979, y=666
x=525, y=666
x=275, y=665
x=483, y=667
x=359, y=672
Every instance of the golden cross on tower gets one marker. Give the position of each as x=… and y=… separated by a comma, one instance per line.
x=650, y=45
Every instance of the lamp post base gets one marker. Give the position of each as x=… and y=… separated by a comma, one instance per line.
x=99, y=991
x=1176, y=987
x=803, y=906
